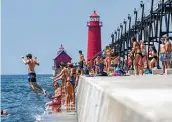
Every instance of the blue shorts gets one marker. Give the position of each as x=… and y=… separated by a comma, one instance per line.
x=32, y=77
x=163, y=57
x=168, y=55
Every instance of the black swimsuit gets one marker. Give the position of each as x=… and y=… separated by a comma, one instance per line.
x=139, y=54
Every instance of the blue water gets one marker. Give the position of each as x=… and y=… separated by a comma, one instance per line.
x=18, y=99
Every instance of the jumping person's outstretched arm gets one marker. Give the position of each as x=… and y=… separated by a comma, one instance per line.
x=36, y=61
x=25, y=62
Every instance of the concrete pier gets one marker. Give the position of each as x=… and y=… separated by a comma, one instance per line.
x=62, y=116
x=125, y=99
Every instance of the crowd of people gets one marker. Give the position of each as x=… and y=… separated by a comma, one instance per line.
x=138, y=60
x=65, y=84
x=107, y=64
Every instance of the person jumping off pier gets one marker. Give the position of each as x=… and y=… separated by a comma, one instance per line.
x=32, y=74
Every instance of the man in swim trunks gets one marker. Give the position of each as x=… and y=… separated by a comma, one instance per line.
x=81, y=62
x=32, y=74
x=168, y=47
x=162, y=55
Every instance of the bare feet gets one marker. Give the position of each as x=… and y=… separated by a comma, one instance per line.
x=162, y=73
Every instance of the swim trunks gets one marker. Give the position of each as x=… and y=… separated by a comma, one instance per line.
x=163, y=57
x=32, y=77
x=81, y=64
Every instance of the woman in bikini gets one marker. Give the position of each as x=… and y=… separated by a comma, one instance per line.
x=70, y=84
x=97, y=64
x=136, y=50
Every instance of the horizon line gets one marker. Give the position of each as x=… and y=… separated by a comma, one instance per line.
x=26, y=74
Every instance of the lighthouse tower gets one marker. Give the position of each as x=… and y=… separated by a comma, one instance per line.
x=94, y=36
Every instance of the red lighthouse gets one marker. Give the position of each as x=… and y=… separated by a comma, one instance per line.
x=94, y=36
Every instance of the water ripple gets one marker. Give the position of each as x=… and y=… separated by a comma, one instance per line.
x=19, y=100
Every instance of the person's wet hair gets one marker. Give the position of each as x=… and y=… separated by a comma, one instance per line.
x=4, y=112
x=80, y=51
x=29, y=55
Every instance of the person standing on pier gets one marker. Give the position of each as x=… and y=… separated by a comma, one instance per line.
x=138, y=56
x=32, y=74
x=163, y=55
x=81, y=62
x=169, y=50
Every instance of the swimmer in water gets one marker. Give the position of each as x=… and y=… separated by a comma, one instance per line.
x=32, y=74
x=4, y=112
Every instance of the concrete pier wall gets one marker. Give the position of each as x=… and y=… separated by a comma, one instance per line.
x=125, y=99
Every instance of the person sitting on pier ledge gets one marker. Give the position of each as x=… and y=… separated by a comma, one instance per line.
x=56, y=102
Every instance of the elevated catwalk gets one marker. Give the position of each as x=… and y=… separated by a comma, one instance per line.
x=125, y=99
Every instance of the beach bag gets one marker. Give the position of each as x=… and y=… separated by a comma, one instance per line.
x=147, y=71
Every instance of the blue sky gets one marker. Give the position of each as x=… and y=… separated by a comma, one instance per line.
x=41, y=26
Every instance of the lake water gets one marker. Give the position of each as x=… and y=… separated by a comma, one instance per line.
x=18, y=99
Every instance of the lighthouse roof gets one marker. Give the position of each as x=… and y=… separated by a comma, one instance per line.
x=94, y=14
